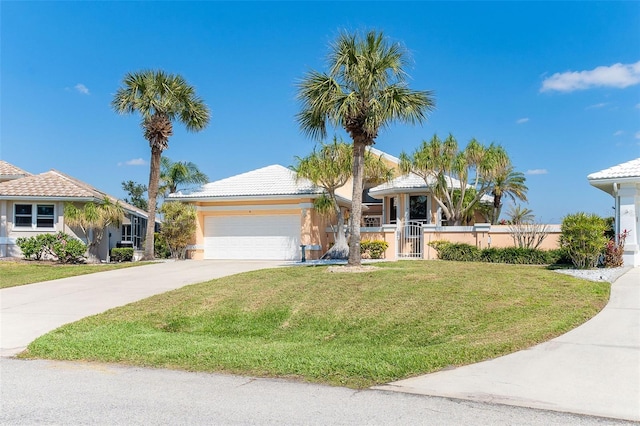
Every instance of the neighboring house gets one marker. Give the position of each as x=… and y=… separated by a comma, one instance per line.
x=34, y=204
x=263, y=214
x=623, y=183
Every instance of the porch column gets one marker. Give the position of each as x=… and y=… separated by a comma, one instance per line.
x=629, y=199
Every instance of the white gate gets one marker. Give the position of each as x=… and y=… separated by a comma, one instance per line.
x=410, y=239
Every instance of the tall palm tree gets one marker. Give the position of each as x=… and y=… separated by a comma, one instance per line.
x=330, y=167
x=178, y=173
x=160, y=98
x=507, y=183
x=364, y=91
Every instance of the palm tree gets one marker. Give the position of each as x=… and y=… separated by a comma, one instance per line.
x=510, y=184
x=160, y=99
x=330, y=167
x=364, y=91
x=174, y=174
x=439, y=162
x=93, y=219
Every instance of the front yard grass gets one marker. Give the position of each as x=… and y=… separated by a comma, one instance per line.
x=357, y=330
x=13, y=274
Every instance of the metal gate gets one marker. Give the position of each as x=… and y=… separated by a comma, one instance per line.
x=410, y=240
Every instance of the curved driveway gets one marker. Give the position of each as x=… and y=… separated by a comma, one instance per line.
x=29, y=311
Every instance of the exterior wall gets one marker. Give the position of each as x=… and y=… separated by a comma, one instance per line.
x=628, y=218
x=482, y=236
x=10, y=233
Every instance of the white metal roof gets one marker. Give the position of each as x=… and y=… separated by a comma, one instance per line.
x=267, y=181
x=628, y=169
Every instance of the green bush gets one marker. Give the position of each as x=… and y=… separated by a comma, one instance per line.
x=373, y=249
x=61, y=246
x=123, y=254
x=458, y=251
x=583, y=236
x=160, y=246
x=36, y=247
x=515, y=255
x=68, y=249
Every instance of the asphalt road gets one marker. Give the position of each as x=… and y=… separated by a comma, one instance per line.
x=69, y=393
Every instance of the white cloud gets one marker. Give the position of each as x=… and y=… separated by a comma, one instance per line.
x=600, y=105
x=638, y=106
x=617, y=75
x=522, y=120
x=81, y=88
x=618, y=133
x=134, y=162
x=537, y=172
x=637, y=135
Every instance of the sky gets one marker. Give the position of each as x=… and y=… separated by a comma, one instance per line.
x=557, y=84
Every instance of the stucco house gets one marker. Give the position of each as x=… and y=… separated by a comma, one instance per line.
x=268, y=213
x=262, y=214
x=623, y=183
x=34, y=204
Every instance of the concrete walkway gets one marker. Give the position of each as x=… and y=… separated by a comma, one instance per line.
x=593, y=369
x=29, y=311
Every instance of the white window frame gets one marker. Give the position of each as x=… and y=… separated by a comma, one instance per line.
x=34, y=217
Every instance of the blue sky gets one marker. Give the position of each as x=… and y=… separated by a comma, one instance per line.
x=556, y=83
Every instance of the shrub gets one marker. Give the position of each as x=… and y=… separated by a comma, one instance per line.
x=68, y=249
x=178, y=227
x=373, y=249
x=36, y=246
x=583, y=236
x=515, y=255
x=613, y=252
x=458, y=251
x=123, y=254
x=160, y=247
x=63, y=247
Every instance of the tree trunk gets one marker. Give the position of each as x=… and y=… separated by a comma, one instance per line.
x=340, y=249
x=356, y=203
x=154, y=179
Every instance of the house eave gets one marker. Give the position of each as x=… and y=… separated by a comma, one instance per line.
x=393, y=191
x=607, y=184
x=44, y=198
x=244, y=197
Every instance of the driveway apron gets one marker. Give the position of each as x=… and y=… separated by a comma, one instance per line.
x=593, y=369
x=30, y=311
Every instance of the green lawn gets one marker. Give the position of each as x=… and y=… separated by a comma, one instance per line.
x=356, y=330
x=20, y=273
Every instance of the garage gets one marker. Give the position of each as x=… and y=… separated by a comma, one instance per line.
x=256, y=237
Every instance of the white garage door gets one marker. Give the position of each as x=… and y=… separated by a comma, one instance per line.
x=252, y=237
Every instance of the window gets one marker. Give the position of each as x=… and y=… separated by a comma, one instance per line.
x=44, y=217
x=393, y=210
x=23, y=215
x=418, y=208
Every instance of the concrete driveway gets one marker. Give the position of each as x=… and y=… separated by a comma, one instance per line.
x=29, y=311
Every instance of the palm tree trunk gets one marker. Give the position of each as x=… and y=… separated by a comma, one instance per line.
x=356, y=203
x=154, y=178
x=340, y=248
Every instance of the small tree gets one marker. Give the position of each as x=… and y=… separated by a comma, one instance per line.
x=136, y=193
x=583, y=236
x=178, y=227
x=330, y=167
x=93, y=219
